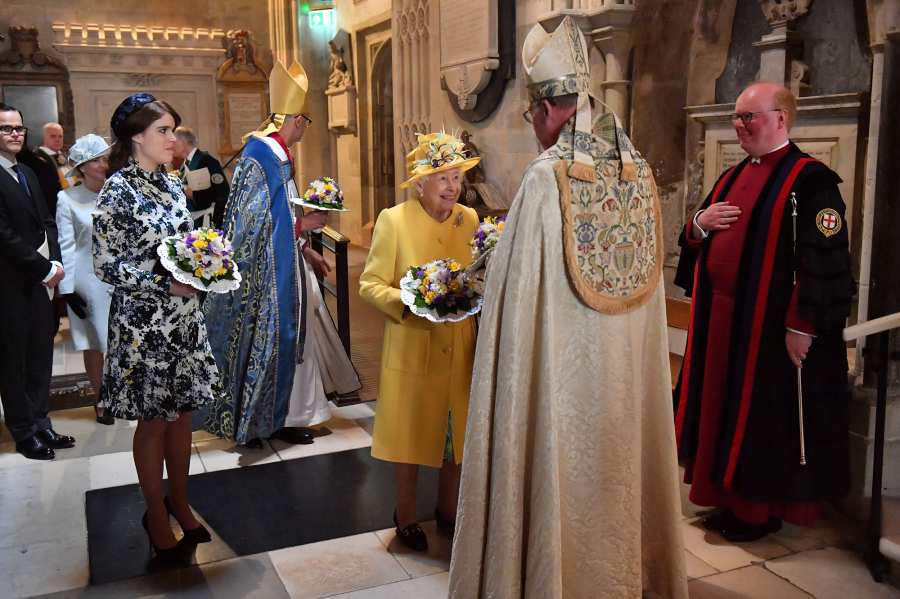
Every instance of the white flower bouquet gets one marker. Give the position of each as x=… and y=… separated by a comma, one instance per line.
x=439, y=291
x=201, y=259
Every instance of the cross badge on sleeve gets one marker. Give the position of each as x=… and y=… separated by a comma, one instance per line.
x=828, y=221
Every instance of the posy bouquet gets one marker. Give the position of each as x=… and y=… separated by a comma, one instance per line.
x=439, y=291
x=323, y=194
x=201, y=259
x=486, y=236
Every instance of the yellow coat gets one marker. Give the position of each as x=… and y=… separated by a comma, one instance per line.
x=426, y=368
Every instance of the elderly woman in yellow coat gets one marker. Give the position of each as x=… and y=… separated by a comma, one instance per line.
x=426, y=368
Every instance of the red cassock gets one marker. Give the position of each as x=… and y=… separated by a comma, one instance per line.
x=723, y=259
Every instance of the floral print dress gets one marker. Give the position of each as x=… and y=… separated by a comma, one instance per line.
x=159, y=362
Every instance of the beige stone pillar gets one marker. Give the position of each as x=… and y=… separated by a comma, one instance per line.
x=616, y=45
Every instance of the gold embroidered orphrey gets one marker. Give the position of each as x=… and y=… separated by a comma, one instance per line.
x=828, y=222
x=612, y=227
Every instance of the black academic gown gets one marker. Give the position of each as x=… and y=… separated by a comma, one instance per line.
x=758, y=447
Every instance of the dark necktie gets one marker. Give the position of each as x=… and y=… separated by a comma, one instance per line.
x=23, y=182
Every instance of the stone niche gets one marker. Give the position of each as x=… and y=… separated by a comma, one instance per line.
x=827, y=128
x=108, y=62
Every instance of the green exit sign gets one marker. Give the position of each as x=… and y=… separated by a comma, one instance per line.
x=321, y=18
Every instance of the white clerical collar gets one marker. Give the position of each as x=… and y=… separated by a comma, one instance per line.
x=757, y=160
x=48, y=151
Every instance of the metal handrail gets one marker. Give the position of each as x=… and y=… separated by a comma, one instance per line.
x=336, y=243
x=878, y=565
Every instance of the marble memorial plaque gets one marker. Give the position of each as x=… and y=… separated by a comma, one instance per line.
x=245, y=112
x=469, y=32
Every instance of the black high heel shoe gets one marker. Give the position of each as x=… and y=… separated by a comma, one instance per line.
x=179, y=553
x=412, y=536
x=446, y=526
x=195, y=535
x=106, y=418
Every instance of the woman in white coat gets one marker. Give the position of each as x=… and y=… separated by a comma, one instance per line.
x=87, y=296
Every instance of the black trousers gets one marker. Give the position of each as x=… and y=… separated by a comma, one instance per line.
x=26, y=359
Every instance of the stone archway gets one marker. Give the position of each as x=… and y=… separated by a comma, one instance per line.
x=383, y=131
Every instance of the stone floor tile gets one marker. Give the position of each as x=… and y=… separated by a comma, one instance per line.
x=426, y=587
x=251, y=577
x=831, y=573
x=752, y=582
x=336, y=566
x=354, y=412
x=222, y=454
x=722, y=555
x=416, y=564
x=345, y=434
x=696, y=567
x=43, y=567
x=43, y=502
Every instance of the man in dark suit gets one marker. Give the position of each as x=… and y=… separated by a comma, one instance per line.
x=30, y=269
x=215, y=191
x=50, y=164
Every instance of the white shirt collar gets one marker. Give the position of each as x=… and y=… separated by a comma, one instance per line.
x=756, y=160
x=6, y=162
x=48, y=151
x=190, y=156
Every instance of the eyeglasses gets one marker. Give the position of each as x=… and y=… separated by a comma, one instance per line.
x=305, y=118
x=528, y=115
x=747, y=117
x=9, y=130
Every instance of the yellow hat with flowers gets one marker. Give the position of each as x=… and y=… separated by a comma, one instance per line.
x=434, y=153
x=287, y=96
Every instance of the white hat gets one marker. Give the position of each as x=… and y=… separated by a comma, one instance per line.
x=557, y=64
x=86, y=148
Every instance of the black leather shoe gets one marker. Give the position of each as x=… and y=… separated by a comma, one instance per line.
x=412, y=536
x=106, y=418
x=53, y=439
x=35, y=449
x=719, y=520
x=296, y=435
x=743, y=532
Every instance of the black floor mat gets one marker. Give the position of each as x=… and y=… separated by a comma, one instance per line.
x=256, y=509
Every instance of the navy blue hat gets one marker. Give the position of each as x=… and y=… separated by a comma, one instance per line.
x=128, y=107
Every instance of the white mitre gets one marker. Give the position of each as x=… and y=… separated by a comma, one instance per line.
x=558, y=64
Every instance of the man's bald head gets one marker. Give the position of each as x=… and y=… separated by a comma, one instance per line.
x=765, y=112
x=53, y=136
x=781, y=98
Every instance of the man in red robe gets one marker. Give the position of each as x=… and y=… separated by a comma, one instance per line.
x=767, y=262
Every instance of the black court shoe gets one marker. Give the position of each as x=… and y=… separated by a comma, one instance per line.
x=412, y=536
x=194, y=535
x=180, y=553
x=105, y=418
x=446, y=526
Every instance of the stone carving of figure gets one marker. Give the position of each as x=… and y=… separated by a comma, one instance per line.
x=477, y=192
x=339, y=74
x=784, y=10
x=25, y=50
x=239, y=53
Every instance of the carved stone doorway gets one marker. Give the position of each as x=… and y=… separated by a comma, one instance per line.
x=383, y=131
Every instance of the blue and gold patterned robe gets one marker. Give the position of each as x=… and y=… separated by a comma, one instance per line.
x=256, y=332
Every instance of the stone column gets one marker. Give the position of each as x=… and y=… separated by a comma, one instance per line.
x=616, y=45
